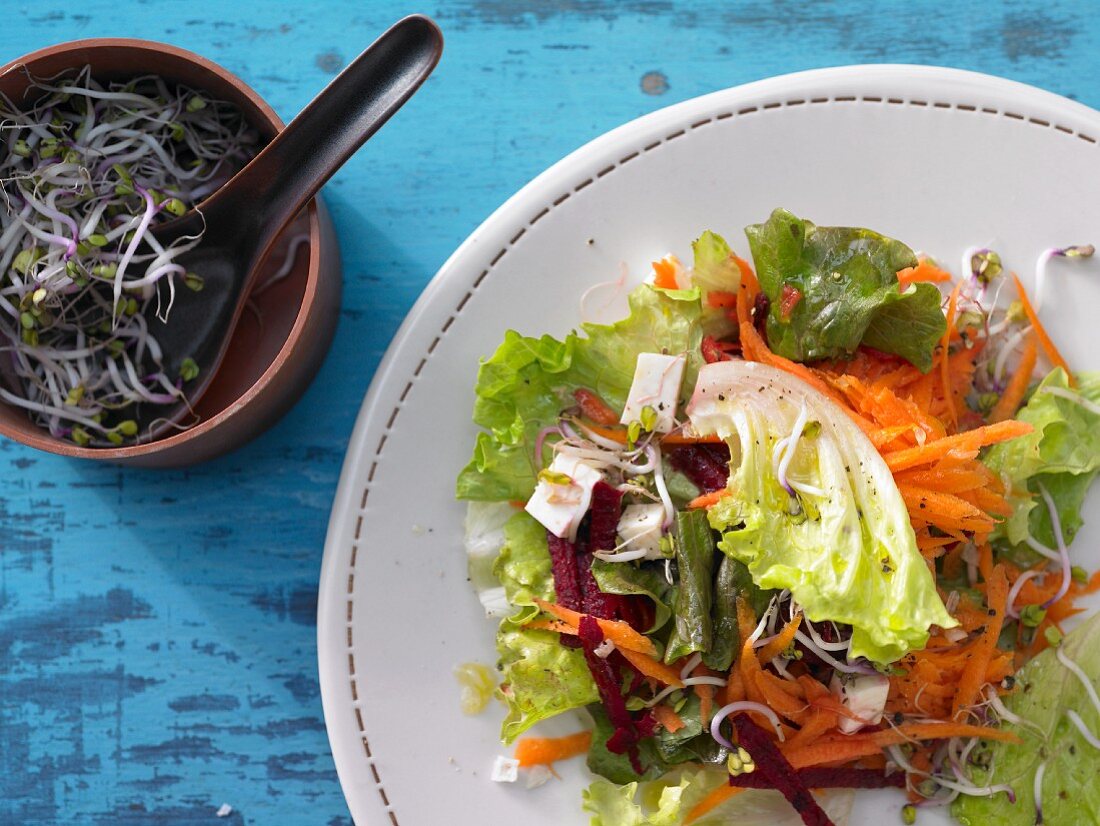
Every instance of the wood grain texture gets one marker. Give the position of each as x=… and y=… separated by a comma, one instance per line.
x=157, y=630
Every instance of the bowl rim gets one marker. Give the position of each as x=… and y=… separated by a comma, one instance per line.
x=60, y=447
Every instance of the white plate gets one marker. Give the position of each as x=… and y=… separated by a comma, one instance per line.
x=939, y=158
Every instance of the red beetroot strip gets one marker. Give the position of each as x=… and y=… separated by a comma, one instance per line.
x=703, y=465
x=818, y=778
x=777, y=772
x=603, y=523
x=625, y=738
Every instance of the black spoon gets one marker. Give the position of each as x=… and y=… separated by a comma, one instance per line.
x=240, y=220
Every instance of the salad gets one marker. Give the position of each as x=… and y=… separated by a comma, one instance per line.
x=795, y=526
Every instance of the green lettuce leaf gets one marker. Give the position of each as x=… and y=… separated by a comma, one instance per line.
x=1062, y=453
x=1047, y=689
x=523, y=566
x=847, y=278
x=714, y=270
x=540, y=678
x=642, y=580
x=666, y=802
x=695, y=561
x=848, y=554
x=528, y=381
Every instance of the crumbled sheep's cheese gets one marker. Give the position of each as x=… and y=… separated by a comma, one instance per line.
x=505, y=770
x=864, y=696
x=640, y=528
x=560, y=506
x=656, y=385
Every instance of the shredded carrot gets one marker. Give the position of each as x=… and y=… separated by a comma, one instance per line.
x=735, y=687
x=720, y=299
x=1010, y=400
x=973, y=675
x=669, y=719
x=783, y=639
x=945, y=362
x=746, y=292
x=620, y=633
x=652, y=667
x=712, y=801
x=551, y=625
x=542, y=751
x=924, y=271
x=706, y=500
x=665, y=271
x=939, y=731
x=967, y=443
x=1048, y=345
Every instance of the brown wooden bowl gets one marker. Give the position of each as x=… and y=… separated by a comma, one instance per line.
x=286, y=331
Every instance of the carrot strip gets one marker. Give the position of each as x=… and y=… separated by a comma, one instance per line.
x=773, y=649
x=1048, y=345
x=735, y=687
x=945, y=363
x=973, y=674
x=820, y=721
x=1010, y=400
x=939, y=731
x=651, y=667
x=779, y=700
x=970, y=442
x=542, y=751
x=925, y=271
x=706, y=500
x=551, y=625
x=669, y=719
x=746, y=292
x=720, y=299
x=712, y=801
x=665, y=272
x=620, y=633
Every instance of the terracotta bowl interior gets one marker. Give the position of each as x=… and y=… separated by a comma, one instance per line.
x=267, y=321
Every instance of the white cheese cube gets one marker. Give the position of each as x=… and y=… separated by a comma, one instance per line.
x=864, y=696
x=560, y=506
x=640, y=528
x=505, y=770
x=656, y=384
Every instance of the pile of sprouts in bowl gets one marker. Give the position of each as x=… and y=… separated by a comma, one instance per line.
x=86, y=170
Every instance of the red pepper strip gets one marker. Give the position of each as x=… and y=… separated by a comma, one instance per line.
x=594, y=407
x=625, y=738
x=821, y=778
x=789, y=297
x=701, y=466
x=777, y=772
x=712, y=351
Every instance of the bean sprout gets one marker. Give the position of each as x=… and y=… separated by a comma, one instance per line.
x=88, y=171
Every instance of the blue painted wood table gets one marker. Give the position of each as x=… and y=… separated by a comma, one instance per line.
x=157, y=630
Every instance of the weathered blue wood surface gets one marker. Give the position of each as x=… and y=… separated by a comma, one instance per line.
x=157, y=630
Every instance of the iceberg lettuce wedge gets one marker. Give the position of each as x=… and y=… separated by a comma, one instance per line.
x=829, y=523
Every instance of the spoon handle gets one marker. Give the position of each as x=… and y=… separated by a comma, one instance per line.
x=290, y=170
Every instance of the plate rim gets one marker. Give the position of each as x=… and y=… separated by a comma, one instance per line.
x=360, y=781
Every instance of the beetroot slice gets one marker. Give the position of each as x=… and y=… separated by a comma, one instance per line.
x=563, y=564
x=701, y=466
x=624, y=740
x=777, y=772
x=818, y=778
x=603, y=527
